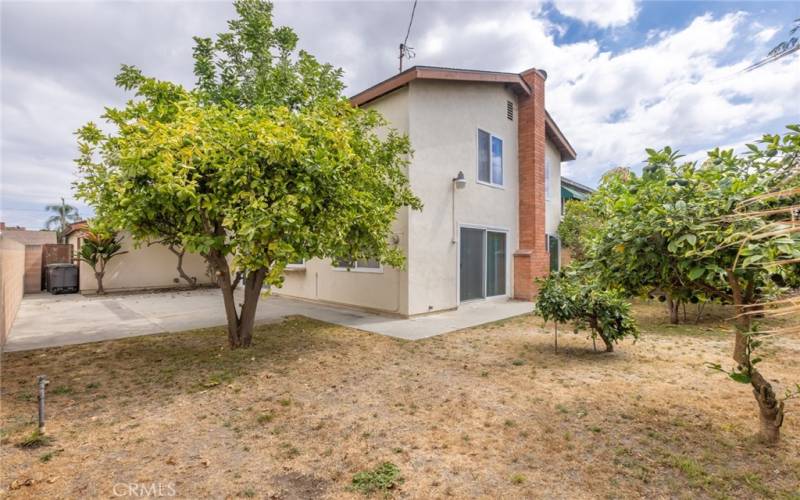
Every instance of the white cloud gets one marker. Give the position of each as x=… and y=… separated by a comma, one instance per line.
x=675, y=92
x=682, y=88
x=603, y=13
x=765, y=35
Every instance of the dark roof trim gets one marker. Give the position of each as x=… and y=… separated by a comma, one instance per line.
x=513, y=80
x=576, y=185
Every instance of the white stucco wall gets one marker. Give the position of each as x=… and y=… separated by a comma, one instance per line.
x=444, y=122
x=553, y=210
x=386, y=290
x=145, y=267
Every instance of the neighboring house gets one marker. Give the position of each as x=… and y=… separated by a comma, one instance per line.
x=573, y=190
x=488, y=236
x=142, y=268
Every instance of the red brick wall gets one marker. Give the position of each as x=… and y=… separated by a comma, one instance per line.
x=531, y=260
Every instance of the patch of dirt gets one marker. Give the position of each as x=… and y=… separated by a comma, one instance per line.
x=486, y=412
x=294, y=485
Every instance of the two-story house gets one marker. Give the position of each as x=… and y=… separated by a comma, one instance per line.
x=487, y=166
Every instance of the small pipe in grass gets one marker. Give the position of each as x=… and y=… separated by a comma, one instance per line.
x=42, y=381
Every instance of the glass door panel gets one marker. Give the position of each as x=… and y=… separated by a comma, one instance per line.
x=495, y=263
x=471, y=264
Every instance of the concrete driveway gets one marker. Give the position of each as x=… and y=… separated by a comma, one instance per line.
x=46, y=320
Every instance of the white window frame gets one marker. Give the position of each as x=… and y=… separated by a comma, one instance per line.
x=356, y=269
x=478, y=159
x=295, y=266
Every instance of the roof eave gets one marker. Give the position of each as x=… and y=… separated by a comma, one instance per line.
x=554, y=134
x=430, y=73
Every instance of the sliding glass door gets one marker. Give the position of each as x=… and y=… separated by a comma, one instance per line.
x=482, y=263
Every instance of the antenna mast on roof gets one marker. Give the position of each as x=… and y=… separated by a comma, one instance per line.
x=405, y=50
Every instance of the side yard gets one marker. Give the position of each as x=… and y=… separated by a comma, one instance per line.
x=484, y=412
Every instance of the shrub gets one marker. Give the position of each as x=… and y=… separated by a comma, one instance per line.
x=382, y=478
x=607, y=313
x=564, y=297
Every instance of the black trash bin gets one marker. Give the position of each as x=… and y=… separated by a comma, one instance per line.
x=61, y=278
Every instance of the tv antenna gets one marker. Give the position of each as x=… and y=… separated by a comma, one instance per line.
x=405, y=50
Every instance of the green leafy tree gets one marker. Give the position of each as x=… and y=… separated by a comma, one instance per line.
x=580, y=224
x=555, y=301
x=98, y=247
x=711, y=229
x=750, y=238
x=645, y=231
x=571, y=297
x=607, y=313
x=263, y=163
x=64, y=215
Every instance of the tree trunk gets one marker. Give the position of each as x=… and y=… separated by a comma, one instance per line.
x=240, y=325
x=607, y=341
x=555, y=330
x=700, y=308
x=188, y=279
x=238, y=279
x=673, y=306
x=99, y=277
x=770, y=412
x=770, y=408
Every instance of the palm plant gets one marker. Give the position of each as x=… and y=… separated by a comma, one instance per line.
x=64, y=214
x=98, y=248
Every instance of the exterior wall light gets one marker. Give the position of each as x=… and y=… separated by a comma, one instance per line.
x=460, y=181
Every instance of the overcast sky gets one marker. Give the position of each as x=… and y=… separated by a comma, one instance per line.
x=623, y=75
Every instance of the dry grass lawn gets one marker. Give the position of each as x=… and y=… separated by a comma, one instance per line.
x=488, y=412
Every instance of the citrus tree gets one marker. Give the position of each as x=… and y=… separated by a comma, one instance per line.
x=645, y=227
x=580, y=224
x=555, y=301
x=716, y=229
x=263, y=163
x=573, y=296
x=746, y=238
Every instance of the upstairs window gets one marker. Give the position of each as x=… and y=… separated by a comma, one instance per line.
x=490, y=159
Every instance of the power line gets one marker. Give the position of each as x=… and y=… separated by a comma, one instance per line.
x=771, y=58
x=405, y=50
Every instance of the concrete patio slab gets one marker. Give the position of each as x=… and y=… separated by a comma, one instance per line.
x=48, y=321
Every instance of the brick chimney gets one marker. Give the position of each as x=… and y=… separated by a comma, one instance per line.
x=531, y=260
